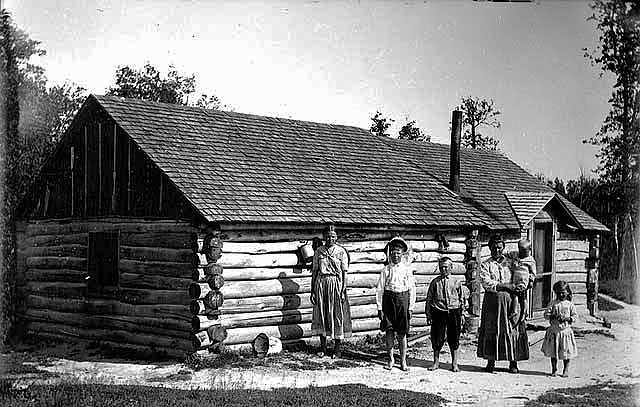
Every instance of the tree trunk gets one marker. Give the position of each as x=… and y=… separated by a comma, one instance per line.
x=473, y=136
x=634, y=246
x=616, y=242
x=627, y=257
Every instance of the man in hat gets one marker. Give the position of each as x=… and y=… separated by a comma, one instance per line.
x=498, y=337
x=331, y=314
x=396, y=298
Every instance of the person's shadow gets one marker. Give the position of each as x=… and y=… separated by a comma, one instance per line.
x=289, y=324
x=470, y=368
x=424, y=363
x=292, y=316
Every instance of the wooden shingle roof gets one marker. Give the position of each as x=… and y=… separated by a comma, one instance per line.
x=583, y=219
x=526, y=205
x=238, y=167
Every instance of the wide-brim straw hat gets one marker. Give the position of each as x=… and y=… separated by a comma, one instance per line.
x=397, y=242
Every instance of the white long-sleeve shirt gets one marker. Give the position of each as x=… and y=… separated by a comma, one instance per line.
x=493, y=272
x=397, y=278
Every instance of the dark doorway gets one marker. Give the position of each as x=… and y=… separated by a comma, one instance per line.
x=102, y=262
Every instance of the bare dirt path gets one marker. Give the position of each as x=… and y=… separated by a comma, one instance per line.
x=601, y=359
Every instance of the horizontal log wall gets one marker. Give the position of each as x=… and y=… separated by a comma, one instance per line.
x=169, y=298
x=267, y=285
x=149, y=309
x=572, y=252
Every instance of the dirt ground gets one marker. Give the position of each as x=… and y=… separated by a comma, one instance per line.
x=610, y=356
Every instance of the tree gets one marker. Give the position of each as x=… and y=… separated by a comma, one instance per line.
x=380, y=124
x=37, y=116
x=618, y=53
x=148, y=84
x=208, y=102
x=477, y=113
x=409, y=131
x=543, y=179
x=558, y=186
x=211, y=102
x=9, y=133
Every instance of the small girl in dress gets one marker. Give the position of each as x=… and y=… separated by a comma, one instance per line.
x=559, y=342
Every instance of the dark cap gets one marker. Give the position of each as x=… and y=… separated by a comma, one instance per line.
x=330, y=227
x=495, y=238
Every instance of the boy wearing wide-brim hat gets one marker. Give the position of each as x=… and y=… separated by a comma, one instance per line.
x=396, y=298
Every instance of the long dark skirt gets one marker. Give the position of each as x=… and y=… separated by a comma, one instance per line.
x=498, y=337
x=331, y=314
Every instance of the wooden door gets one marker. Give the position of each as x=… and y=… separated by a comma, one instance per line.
x=543, y=252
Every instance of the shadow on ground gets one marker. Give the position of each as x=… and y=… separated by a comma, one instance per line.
x=44, y=350
x=109, y=395
x=597, y=395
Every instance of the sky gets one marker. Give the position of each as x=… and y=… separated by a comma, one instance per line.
x=341, y=61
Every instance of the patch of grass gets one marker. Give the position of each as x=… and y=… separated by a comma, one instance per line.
x=367, y=343
x=183, y=375
x=5, y=386
x=597, y=395
x=116, y=396
x=17, y=364
x=604, y=305
x=297, y=361
x=224, y=359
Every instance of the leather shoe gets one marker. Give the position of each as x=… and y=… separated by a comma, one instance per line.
x=491, y=365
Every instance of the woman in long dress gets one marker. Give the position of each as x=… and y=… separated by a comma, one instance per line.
x=331, y=313
x=499, y=338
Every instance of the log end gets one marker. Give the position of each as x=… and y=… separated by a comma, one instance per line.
x=213, y=269
x=199, y=322
x=216, y=281
x=214, y=299
x=194, y=291
x=196, y=307
x=217, y=333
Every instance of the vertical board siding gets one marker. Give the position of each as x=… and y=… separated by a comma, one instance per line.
x=110, y=177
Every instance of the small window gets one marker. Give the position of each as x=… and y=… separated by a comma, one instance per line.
x=102, y=261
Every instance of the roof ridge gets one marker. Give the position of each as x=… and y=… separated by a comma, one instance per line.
x=478, y=151
x=190, y=107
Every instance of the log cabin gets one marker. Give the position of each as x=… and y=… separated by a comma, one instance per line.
x=177, y=229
